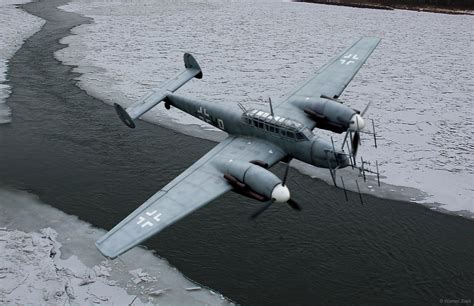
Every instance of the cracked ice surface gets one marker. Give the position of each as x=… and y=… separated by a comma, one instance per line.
x=48, y=257
x=419, y=78
x=16, y=26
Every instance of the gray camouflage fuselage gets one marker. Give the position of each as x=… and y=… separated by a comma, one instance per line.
x=257, y=141
x=311, y=149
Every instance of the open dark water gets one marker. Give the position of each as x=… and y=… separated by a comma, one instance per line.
x=72, y=151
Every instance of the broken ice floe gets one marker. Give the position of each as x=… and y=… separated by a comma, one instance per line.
x=34, y=268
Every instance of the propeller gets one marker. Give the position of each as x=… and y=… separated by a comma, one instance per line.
x=355, y=143
x=366, y=108
x=261, y=210
x=292, y=203
x=356, y=139
x=356, y=126
x=285, y=176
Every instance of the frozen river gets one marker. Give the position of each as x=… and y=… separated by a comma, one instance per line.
x=20, y=26
x=69, y=150
x=75, y=270
x=419, y=79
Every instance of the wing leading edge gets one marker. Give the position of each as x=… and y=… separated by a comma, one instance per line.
x=330, y=80
x=195, y=187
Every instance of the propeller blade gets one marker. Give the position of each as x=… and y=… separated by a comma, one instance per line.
x=366, y=108
x=355, y=143
x=261, y=210
x=293, y=204
x=285, y=176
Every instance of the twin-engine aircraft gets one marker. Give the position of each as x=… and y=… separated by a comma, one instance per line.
x=257, y=140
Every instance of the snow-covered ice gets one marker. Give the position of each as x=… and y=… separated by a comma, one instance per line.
x=15, y=26
x=419, y=78
x=48, y=257
x=31, y=271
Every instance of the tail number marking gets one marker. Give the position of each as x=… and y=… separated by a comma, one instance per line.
x=206, y=117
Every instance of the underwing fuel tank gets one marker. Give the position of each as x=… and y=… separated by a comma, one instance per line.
x=254, y=181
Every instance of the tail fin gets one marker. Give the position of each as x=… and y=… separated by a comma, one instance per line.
x=148, y=102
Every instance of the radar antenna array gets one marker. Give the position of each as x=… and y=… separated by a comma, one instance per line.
x=352, y=141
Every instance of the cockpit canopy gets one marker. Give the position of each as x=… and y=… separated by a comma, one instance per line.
x=275, y=124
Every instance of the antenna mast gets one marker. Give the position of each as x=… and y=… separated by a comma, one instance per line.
x=242, y=107
x=271, y=106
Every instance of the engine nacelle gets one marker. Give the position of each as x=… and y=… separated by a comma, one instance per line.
x=331, y=115
x=250, y=176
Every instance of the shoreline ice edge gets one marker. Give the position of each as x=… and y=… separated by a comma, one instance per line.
x=102, y=84
x=21, y=26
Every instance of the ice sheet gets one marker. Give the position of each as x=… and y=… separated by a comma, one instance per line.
x=48, y=257
x=15, y=27
x=419, y=79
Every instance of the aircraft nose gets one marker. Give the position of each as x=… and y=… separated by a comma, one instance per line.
x=280, y=193
x=357, y=123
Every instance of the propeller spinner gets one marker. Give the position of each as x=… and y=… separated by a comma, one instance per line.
x=280, y=194
x=356, y=125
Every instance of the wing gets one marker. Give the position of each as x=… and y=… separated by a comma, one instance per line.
x=195, y=187
x=330, y=80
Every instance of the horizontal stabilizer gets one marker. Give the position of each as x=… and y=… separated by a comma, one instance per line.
x=148, y=102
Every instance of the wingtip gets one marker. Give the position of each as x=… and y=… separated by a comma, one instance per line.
x=374, y=38
x=105, y=252
x=191, y=63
